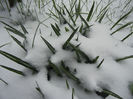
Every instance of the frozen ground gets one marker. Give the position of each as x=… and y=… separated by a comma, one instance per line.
x=116, y=76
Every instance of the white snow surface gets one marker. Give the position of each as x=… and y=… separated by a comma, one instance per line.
x=113, y=75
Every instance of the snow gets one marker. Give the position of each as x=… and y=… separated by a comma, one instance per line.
x=113, y=75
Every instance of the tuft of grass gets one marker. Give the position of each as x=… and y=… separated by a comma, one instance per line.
x=19, y=61
x=69, y=39
x=124, y=16
x=13, y=70
x=52, y=49
x=90, y=12
x=124, y=58
x=122, y=27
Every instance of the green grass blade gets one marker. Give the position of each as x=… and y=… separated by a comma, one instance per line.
x=99, y=65
x=81, y=53
x=15, y=31
x=3, y=81
x=131, y=88
x=52, y=49
x=24, y=29
x=73, y=6
x=57, y=27
x=73, y=93
x=111, y=93
x=67, y=84
x=18, y=42
x=13, y=70
x=127, y=36
x=95, y=59
x=68, y=40
x=39, y=90
x=55, y=68
x=68, y=73
x=84, y=21
x=121, y=18
x=18, y=60
x=91, y=11
x=77, y=53
x=101, y=18
x=4, y=45
x=124, y=58
x=122, y=27
x=69, y=15
x=81, y=28
x=60, y=14
x=78, y=9
x=55, y=30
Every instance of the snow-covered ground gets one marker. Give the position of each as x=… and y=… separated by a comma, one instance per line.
x=112, y=75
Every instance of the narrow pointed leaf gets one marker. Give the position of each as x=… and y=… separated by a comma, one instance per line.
x=68, y=73
x=4, y=45
x=122, y=27
x=52, y=49
x=100, y=63
x=18, y=60
x=124, y=58
x=111, y=93
x=122, y=18
x=84, y=21
x=3, y=81
x=67, y=84
x=101, y=18
x=73, y=93
x=55, y=68
x=18, y=42
x=91, y=11
x=24, y=29
x=39, y=90
x=127, y=36
x=55, y=30
x=15, y=31
x=95, y=60
x=57, y=27
x=69, y=15
x=68, y=40
x=13, y=70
